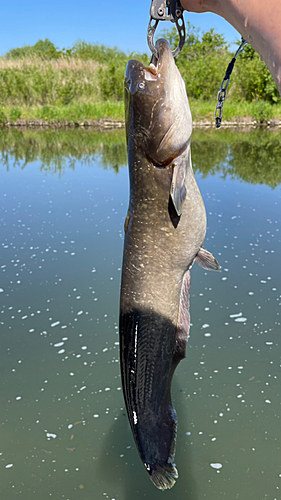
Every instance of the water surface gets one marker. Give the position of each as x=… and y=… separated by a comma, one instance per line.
x=64, y=430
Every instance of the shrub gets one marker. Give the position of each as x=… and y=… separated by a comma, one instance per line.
x=111, y=81
x=252, y=79
x=3, y=117
x=202, y=61
x=263, y=111
x=15, y=114
x=45, y=49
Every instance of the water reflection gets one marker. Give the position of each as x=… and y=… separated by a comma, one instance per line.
x=254, y=157
x=58, y=149
x=64, y=433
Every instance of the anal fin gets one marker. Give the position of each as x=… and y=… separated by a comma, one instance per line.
x=183, y=324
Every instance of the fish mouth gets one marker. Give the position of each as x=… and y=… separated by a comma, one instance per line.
x=161, y=67
x=151, y=71
x=164, y=55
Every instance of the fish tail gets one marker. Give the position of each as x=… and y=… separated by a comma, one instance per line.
x=163, y=476
x=156, y=444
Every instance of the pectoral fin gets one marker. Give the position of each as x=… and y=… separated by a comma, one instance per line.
x=178, y=190
x=206, y=260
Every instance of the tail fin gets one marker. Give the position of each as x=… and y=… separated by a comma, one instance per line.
x=164, y=477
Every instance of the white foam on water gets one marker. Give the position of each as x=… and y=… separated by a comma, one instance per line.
x=235, y=315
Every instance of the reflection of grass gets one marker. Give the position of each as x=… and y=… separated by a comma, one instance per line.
x=53, y=147
x=253, y=157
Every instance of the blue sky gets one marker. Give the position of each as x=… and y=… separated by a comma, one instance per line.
x=122, y=24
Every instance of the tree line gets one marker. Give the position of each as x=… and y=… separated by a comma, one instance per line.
x=53, y=83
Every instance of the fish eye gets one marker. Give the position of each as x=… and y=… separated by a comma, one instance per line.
x=141, y=85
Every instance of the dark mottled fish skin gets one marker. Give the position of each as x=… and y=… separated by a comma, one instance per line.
x=164, y=231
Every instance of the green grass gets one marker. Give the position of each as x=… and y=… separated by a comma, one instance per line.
x=86, y=81
x=78, y=112
x=261, y=111
x=74, y=112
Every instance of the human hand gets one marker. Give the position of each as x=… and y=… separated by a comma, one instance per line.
x=257, y=21
x=199, y=5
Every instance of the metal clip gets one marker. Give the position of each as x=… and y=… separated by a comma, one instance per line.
x=224, y=85
x=221, y=99
x=166, y=10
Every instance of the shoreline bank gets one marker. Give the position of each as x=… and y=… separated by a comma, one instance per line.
x=111, y=124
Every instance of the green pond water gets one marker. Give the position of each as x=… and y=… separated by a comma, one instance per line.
x=64, y=433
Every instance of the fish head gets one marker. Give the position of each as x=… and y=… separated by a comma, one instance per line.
x=158, y=117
